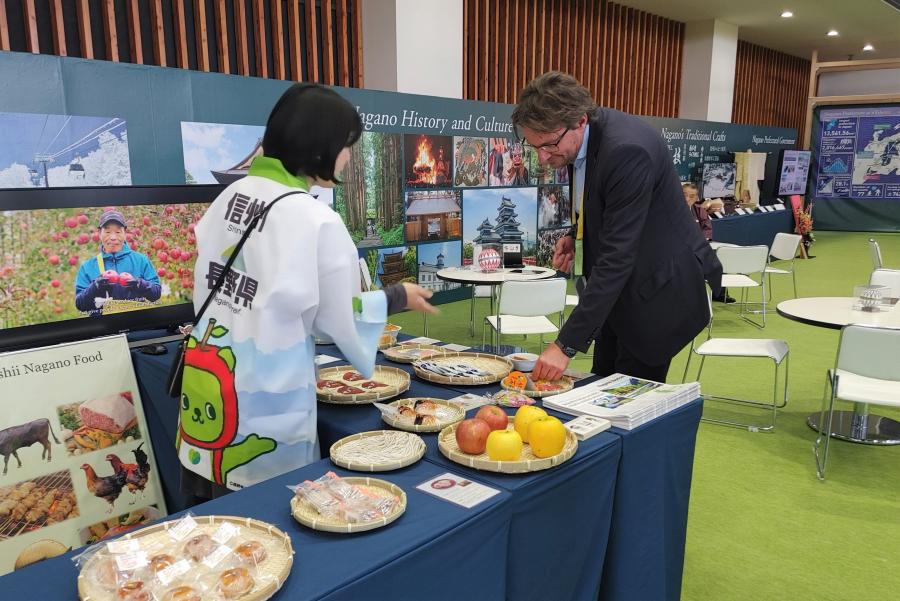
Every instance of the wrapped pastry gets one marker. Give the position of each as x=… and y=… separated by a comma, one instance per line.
x=251, y=552
x=200, y=546
x=182, y=593
x=133, y=591
x=161, y=562
x=235, y=583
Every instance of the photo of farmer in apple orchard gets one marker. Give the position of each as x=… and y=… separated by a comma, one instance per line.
x=117, y=278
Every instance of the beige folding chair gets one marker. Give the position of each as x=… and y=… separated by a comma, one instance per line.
x=523, y=309
x=866, y=372
x=763, y=348
x=738, y=264
x=784, y=248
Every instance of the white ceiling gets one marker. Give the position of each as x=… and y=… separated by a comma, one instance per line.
x=859, y=22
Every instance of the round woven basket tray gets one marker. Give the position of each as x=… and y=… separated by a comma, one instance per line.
x=496, y=367
x=447, y=413
x=275, y=569
x=306, y=514
x=527, y=463
x=397, y=382
x=401, y=352
x=378, y=451
x=567, y=383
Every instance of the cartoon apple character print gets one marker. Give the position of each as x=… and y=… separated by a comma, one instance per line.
x=209, y=407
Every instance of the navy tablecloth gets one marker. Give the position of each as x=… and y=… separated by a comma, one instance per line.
x=435, y=550
x=749, y=230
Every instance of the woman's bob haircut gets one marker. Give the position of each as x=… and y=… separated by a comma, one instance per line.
x=308, y=128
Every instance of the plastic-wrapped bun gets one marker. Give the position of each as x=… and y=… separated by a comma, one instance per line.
x=133, y=591
x=251, y=552
x=200, y=546
x=235, y=582
x=108, y=574
x=182, y=593
x=161, y=562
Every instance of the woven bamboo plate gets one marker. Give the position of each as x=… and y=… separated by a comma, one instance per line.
x=304, y=513
x=397, y=382
x=567, y=383
x=275, y=569
x=403, y=353
x=378, y=451
x=497, y=368
x=447, y=414
x=528, y=462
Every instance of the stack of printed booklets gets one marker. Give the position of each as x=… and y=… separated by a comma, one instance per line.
x=625, y=401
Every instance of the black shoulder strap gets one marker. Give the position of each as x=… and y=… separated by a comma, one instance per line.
x=237, y=250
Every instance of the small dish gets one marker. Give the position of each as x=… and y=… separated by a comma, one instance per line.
x=523, y=361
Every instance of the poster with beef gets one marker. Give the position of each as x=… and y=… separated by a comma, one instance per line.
x=77, y=463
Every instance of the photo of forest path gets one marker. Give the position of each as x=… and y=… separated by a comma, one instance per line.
x=371, y=199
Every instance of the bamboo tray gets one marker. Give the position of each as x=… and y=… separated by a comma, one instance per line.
x=397, y=382
x=527, y=463
x=398, y=353
x=378, y=451
x=304, y=513
x=276, y=567
x=447, y=413
x=497, y=368
x=568, y=384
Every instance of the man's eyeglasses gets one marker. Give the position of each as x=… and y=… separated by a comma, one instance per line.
x=549, y=148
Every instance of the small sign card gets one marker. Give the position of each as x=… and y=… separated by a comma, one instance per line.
x=456, y=347
x=421, y=340
x=326, y=359
x=470, y=401
x=458, y=490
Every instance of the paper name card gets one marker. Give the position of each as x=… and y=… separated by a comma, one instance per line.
x=422, y=340
x=587, y=425
x=458, y=490
x=456, y=347
x=326, y=359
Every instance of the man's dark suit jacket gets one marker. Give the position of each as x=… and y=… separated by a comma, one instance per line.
x=644, y=256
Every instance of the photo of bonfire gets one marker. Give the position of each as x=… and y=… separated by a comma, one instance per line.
x=428, y=160
x=99, y=423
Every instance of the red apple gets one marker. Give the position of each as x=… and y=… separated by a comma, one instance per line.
x=158, y=243
x=161, y=272
x=175, y=254
x=170, y=209
x=494, y=416
x=82, y=219
x=45, y=251
x=64, y=234
x=73, y=260
x=54, y=259
x=471, y=436
x=163, y=256
x=54, y=283
x=57, y=310
x=111, y=276
x=95, y=237
x=146, y=221
x=71, y=222
x=191, y=227
x=83, y=239
x=55, y=237
x=125, y=277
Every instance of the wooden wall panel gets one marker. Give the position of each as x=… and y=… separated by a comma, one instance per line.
x=300, y=40
x=770, y=87
x=629, y=59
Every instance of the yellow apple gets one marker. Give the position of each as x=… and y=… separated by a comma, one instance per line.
x=524, y=416
x=547, y=436
x=504, y=445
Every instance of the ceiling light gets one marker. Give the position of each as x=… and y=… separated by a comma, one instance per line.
x=833, y=33
x=787, y=14
x=868, y=48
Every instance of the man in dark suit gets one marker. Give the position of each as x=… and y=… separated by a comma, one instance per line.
x=642, y=254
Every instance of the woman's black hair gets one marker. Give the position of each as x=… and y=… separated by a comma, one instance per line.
x=307, y=129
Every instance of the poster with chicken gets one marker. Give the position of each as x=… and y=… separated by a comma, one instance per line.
x=77, y=464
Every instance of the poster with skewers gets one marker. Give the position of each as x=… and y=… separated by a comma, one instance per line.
x=77, y=465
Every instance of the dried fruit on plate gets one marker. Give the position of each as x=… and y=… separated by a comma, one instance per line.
x=516, y=380
x=329, y=384
x=349, y=390
x=547, y=385
x=353, y=376
x=369, y=385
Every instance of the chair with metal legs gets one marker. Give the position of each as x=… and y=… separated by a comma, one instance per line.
x=784, y=248
x=738, y=264
x=866, y=372
x=523, y=308
x=479, y=292
x=890, y=278
x=765, y=348
x=875, y=250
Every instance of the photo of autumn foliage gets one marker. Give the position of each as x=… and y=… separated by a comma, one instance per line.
x=42, y=250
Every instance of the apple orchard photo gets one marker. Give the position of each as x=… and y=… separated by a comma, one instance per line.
x=42, y=250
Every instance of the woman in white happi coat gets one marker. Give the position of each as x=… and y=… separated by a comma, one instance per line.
x=248, y=402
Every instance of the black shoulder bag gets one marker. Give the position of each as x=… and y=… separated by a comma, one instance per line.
x=176, y=371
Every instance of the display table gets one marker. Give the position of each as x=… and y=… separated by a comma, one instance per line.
x=835, y=312
x=752, y=229
x=435, y=550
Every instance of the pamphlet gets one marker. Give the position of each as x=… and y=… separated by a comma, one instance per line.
x=585, y=426
x=458, y=490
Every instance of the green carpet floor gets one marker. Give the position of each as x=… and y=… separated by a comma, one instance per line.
x=761, y=525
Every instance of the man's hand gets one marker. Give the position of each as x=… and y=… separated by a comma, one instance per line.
x=417, y=299
x=551, y=364
x=564, y=254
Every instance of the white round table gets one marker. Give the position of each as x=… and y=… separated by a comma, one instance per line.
x=835, y=312
x=473, y=277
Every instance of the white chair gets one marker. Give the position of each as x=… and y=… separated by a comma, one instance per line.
x=523, y=308
x=875, y=250
x=479, y=292
x=763, y=348
x=738, y=264
x=866, y=371
x=364, y=275
x=889, y=278
x=784, y=248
